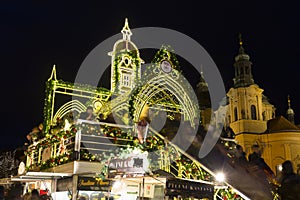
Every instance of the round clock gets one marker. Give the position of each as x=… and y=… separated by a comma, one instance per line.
x=97, y=105
x=166, y=66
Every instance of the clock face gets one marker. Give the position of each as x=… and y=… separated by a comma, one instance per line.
x=97, y=105
x=166, y=66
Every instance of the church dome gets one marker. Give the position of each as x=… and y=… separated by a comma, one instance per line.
x=290, y=111
x=122, y=45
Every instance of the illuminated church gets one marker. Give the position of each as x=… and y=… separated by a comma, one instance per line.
x=251, y=117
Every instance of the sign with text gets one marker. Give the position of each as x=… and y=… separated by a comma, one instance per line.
x=184, y=188
x=95, y=184
x=133, y=164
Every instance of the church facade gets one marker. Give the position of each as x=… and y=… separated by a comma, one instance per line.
x=248, y=113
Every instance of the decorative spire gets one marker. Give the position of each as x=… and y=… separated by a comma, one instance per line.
x=202, y=83
x=126, y=31
x=53, y=74
x=241, y=50
x=240, y=39
x=290, y=112
x=289, y=101
x=243, y=73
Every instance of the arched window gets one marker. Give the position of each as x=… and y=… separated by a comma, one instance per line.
x=235, y=114
x=253, y=112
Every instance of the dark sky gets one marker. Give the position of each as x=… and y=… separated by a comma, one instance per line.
x=36, y=35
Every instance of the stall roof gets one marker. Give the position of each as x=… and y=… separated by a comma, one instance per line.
x=34, y=176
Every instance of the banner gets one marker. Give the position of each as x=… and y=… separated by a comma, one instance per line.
x=186, y=189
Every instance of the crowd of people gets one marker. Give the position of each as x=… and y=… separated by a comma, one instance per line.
x=35, y=195
x=37, y=132
x=287, y=182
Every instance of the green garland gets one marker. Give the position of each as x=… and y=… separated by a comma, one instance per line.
x=229, y=194
x=166, y=53
x=53, y=162
x=50, y=140
x=189, y=168
x=47, y=105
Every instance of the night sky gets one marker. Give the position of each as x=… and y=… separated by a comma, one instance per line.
x=36, y=35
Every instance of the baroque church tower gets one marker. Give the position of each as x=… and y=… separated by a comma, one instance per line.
x=248, y=109
x=247, y=113
x=125, y=63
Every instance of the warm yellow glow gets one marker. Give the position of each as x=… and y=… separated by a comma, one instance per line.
x=220, y=177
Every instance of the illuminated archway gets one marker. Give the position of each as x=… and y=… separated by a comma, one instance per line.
x=173, y=92
x=73, y=105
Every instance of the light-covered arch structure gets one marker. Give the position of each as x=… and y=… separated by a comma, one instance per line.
x=177, y=96
x=73, y=105
x=170, y=92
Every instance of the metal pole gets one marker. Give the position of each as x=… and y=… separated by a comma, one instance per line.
x=77, y=145
x=143, y=189
x=53, y=187
x=140, y=187
x=74, y=187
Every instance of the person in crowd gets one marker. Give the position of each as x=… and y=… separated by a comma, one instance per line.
x=259, y=168
x=35, y=195
x=29, y=140
x=26, y=196
x=240, y=156
x=290, y=182
x=71, y=117
x=45, y=197
x=35, y=134
x=255, y=159
x=142, y=129
x=88, y=114
x=1, y=192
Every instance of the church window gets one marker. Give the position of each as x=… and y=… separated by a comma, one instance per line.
x=235, y=114
x=126, y=80
x=253, y=112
